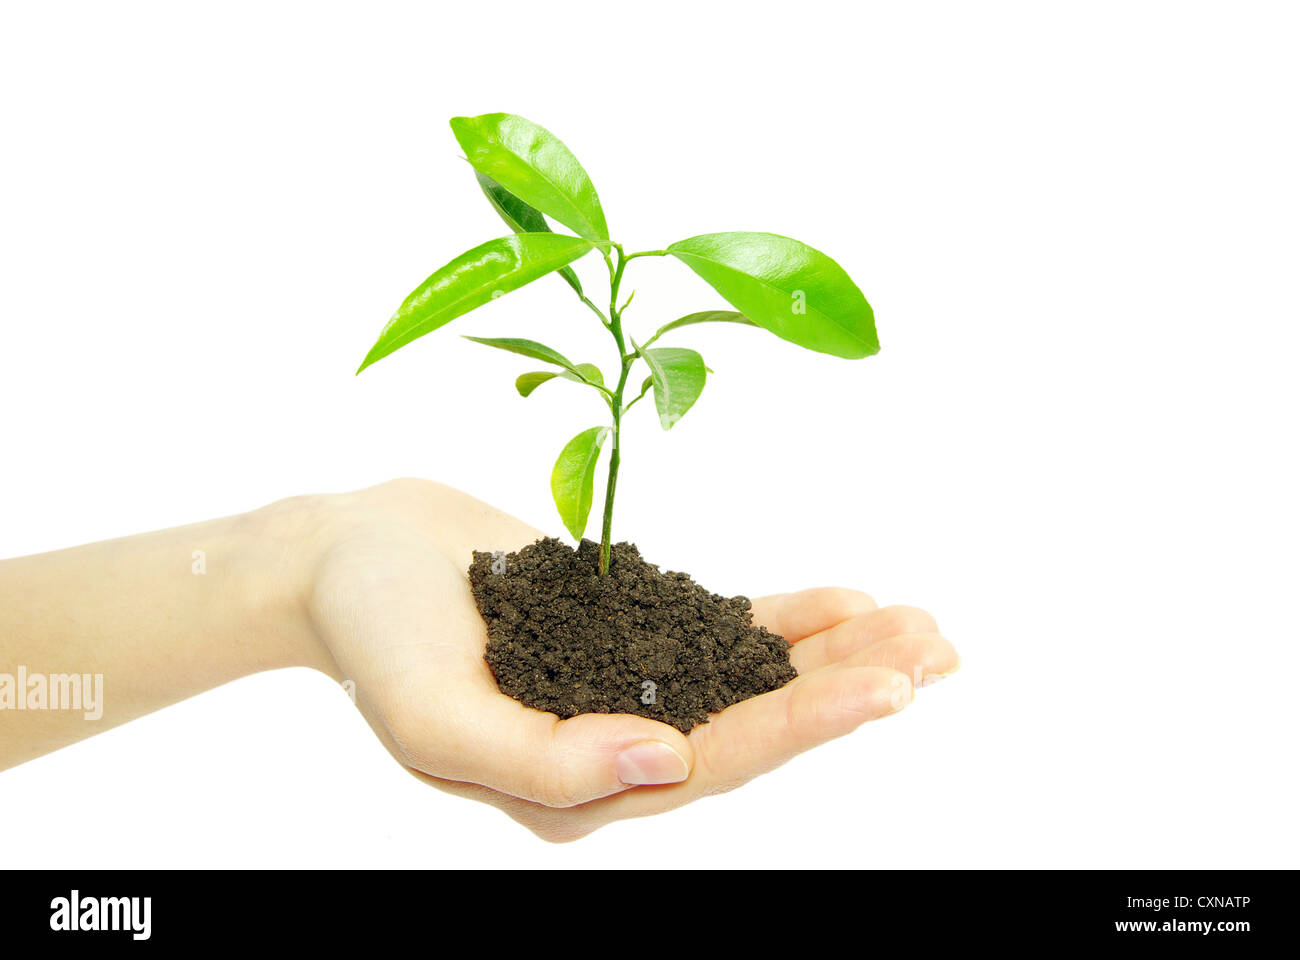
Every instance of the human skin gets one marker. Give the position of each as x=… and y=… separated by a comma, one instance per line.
x=370, y=587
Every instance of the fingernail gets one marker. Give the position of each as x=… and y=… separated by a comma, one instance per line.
x=936, y=677
x=651, y=761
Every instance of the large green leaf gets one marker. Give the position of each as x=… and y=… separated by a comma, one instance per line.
x=678, y=376
x=533, y=349
x=521, y=218
x=471, y=280
x=573, y=478
x=532, y=163
x=786, y=287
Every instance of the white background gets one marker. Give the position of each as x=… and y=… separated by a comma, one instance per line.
x=1077, y=224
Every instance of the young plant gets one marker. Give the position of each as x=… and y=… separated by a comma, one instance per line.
x=527, y=174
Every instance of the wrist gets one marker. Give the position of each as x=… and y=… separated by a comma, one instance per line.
x=282, y=545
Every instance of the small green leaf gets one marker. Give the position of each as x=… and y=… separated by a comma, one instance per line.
x=787, y=287
x=518, y=216
x=531, y=163
x=526, y=348
x=528, y=382
x=705, y=316
x=521, y=218
x=573, y=478
x=471, y=280
x=678, y=375
x=589, y=374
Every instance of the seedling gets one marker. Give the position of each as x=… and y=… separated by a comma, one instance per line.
x=527, y=174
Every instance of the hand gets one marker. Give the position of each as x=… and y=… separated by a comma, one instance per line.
x=391, y=603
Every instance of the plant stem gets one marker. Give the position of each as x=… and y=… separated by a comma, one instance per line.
x=612, y=482
x=625, y=364
x=625, y=360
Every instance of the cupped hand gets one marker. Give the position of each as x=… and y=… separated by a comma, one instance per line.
x=391, y=603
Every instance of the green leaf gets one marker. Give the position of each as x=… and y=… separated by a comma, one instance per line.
x=786, y=287
x=526, y=348
x=532, y=163
x=521, y=218
x=528, y=382
x=573, y=478
x=538, y=351
x=591, y=373
x=588, y=374
x=705, y=316
x=471, y=280
x=678, y=375
x=518, y=216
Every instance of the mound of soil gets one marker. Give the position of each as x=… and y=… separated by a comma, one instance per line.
x=563, y=639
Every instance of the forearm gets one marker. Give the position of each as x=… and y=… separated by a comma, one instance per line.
x=97, y=635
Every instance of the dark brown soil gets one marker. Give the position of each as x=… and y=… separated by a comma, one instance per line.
x=563, y=639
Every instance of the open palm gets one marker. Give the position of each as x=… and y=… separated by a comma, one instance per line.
x=392, y=604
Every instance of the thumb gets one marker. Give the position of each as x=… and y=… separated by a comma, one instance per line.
x=558, y=763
